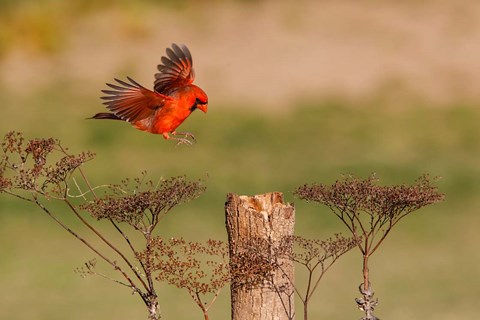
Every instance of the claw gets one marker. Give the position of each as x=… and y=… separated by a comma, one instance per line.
x=182, y=141
x=186, y=138
x=186, y=135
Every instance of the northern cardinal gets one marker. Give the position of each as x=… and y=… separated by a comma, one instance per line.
x=160, y=111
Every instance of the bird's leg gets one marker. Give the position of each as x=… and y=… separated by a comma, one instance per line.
x=186, y=135
x=183, y=140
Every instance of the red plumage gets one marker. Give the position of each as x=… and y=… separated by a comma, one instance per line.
x=160, y=111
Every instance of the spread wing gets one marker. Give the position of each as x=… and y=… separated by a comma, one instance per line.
x=131, y=101
x=176, y=70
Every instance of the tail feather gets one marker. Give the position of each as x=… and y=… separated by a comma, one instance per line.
x=105, y=115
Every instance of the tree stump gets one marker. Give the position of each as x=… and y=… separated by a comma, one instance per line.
x=266, y=218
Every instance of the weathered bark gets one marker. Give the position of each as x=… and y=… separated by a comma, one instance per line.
x=268, y=218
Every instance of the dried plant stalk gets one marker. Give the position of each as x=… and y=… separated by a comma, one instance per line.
x=42, y=169
x=200, y=268
x=369, y=212
x=316, y=256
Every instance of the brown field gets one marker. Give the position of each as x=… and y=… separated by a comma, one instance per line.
x=264, y=53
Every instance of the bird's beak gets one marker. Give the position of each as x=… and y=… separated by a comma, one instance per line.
x=203, y=107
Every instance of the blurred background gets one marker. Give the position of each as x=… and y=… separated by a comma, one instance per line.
x=299, y=92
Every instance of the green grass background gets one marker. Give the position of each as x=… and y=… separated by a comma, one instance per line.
x=427, y=268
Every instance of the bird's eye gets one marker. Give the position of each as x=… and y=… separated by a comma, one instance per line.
x=198, y=102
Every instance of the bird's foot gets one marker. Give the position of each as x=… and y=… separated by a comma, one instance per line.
x=181, y=141
x=186, y=135
x=185, y=138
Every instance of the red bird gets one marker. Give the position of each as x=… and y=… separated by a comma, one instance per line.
x=160, y=111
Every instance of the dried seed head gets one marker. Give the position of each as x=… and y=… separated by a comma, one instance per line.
x=29, y=165
x=135, y=206
x=314, y=252
x=353, y=196
x=254, y=264
x=368, y=209
x=200, y=268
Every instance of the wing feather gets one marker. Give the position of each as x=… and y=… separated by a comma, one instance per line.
x=130, y=101
x=176, y=69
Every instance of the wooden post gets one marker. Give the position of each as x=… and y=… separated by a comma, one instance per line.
x=268, y=218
